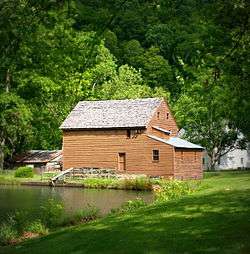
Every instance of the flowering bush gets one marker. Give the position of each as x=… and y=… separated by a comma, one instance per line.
x=174, y=189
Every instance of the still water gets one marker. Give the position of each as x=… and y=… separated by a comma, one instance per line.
x=30, y=198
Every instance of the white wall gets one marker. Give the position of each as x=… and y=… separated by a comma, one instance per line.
x=235, y=159
x=232, y=160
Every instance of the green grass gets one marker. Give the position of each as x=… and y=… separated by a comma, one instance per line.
x=141, y=183
x=8, y=177
x=213, y=220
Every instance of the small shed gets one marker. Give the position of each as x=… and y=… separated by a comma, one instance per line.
x=48, y=160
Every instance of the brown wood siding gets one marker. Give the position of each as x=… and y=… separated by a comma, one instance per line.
x=160, y=119
x=101, y=149
x=188, y=164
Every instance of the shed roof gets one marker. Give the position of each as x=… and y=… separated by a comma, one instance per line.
x=177, y=142
x=111, y=114
x=39, y=156
x=161, y=129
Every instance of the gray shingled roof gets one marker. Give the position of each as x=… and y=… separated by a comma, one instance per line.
x=177, y=142
x=111, y=114
x=39, y=156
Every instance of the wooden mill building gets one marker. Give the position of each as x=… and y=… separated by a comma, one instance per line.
x=131, y=136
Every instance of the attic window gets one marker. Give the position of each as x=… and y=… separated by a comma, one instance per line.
x=156, y=155
x=167, y=115
x=158, y=115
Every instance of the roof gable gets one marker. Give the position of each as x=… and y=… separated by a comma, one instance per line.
x=111, y=114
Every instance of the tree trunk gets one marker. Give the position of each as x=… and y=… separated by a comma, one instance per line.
x=213, y=159
x=1, y=153
x=213, y=164
x=7, y=88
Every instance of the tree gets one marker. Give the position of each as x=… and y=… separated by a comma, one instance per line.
x=52, y=76
x=200, y=110
x=18, y=20
x=128, y=83
x=55, y=53
x=15, y=126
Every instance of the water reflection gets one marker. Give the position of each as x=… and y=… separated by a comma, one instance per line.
x=30, y=198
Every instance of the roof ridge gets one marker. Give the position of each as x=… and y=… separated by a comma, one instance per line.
x=136, y=99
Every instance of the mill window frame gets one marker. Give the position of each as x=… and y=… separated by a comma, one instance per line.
x=155, y=155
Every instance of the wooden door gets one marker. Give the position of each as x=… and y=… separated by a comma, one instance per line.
x=121, y=161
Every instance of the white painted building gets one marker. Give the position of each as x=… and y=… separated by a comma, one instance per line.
x=236, y=159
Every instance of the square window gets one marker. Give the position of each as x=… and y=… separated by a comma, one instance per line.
x=156, y=155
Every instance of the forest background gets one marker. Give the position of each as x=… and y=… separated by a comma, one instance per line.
x=53, y=53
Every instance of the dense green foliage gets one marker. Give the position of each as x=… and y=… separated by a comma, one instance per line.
x=213, y=220
x=51, y=213
x=55, y=53
x=8, y=233
x=25, y=172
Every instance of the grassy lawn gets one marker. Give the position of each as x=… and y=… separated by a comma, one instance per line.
x=8, y=177
x=216, y=219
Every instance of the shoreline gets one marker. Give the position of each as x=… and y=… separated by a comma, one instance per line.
x=71, y=185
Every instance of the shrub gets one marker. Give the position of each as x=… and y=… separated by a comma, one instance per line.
x=81, y=216
x=8, y=233
x=20, y=220
x=100, y=182
x=130, y=206
x=26, y=172
x=174, y=189
x=141, y=183
x=36, y=227
x=52, y=213
x=87, y=214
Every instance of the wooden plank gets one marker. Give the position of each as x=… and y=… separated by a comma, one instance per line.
x=53, y=179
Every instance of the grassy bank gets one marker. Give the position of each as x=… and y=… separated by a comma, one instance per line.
x=105, y=183
x=213, y=220
x=8, y=177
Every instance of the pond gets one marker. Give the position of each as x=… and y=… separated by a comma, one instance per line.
x=30, y=198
